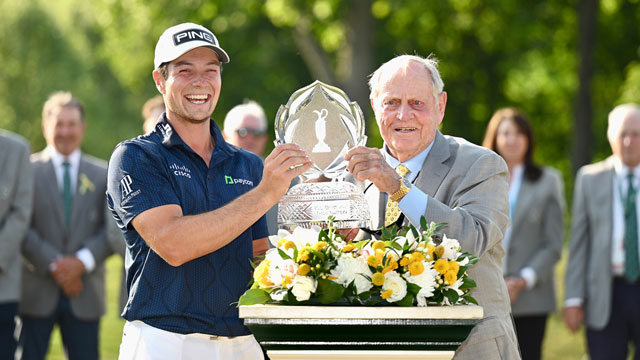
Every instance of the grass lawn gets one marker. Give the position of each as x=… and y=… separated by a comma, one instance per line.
x=559, y=343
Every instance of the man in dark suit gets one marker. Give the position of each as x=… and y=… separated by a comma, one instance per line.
x=444, y=179
x=602, y=285
x=16, y=193
x=66, y=245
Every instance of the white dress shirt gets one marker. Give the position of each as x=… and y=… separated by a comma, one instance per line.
x=414, y=204
x=57, y=160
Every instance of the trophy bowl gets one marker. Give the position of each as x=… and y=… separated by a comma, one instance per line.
x=309, y=204
x=323, y=121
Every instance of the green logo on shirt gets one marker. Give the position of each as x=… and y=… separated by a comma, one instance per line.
x=228, y=180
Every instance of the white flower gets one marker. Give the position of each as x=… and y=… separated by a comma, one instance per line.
x=283, y=272
x=394, y=282
x=464, y=261
x=408, y=239
x=451, y=248
x=303, y=287
x=351, y=269
x=456, y=287
x=278, y=295
x=426, y=281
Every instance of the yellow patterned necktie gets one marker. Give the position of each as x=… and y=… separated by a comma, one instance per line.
x=392, y=212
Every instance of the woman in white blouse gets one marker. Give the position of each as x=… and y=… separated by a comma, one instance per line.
x=533, y=243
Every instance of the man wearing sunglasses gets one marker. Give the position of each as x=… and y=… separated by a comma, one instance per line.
x=245, y=126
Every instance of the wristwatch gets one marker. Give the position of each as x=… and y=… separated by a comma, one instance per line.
x=405, y=187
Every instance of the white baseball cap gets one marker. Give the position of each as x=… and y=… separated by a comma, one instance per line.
x=179, y=39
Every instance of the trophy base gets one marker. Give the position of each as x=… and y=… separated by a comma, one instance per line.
x=310, y=204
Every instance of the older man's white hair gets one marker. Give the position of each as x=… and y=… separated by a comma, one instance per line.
x=235, y=115
x=617, y=115
x=430, y=63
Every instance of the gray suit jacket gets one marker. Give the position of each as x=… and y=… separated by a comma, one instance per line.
x=468, y=189
x=16, y=193
x=48, y=237
x=537, y=231
x=589, y=274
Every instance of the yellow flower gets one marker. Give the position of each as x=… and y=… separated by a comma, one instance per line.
x=304, y=269
x=282, y=241
x=289, y=245
x=372, y=261
x=454, y=266
x=450, y=277
x=348, y=248
x=386, y=294
x=287, y=280
x=390, y=264
x=86, y=184
x=441, y=266
x=430, y=249
x=378, y=245
x=406, y=260
x=377, y=279
x=416, y=268
x=319, y=245
x=261, y=274
x=439, y=250
x=417, y=256
x=303, y=255
x=332, y=277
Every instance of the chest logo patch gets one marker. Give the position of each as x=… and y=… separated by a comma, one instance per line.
x=180, y=170
x=231, y=181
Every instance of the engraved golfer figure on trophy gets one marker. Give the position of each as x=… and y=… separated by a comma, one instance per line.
x=321, y=132
x=323, y=121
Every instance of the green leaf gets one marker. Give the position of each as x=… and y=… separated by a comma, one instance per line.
x=253, y=297
x=413, y=288
x=470, y=299
x=468, y=283
x=452, y=295
x=283, y=254
x=328, y=291
x=407, y=300
x=423, y=223
x=386, y=234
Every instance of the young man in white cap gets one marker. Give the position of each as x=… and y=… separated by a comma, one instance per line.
x=191, y=208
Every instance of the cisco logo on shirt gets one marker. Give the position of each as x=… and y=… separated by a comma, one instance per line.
x=180, y=170
x=231, y=181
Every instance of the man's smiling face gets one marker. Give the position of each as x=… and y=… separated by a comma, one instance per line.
x=192, y=86
x=406, y=111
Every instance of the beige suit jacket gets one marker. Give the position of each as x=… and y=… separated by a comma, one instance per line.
x=468, y=189
x=16, y=193
x=537, y=232
x=48, y=237
x=589, y=276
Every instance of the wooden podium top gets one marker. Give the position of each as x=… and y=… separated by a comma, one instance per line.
x=361, y=312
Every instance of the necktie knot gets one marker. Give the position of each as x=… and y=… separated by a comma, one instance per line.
x=402, y=170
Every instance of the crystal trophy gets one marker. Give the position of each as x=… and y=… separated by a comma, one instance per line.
x=323, y=121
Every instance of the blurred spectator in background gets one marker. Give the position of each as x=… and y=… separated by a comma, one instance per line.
x=64, y=251
x=151, y=111
x=602, y=284
x=16, y=197
x=245, y=126
x=533, y=242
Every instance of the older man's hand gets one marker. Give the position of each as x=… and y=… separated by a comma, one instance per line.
x=368, y=164
x=573, y=317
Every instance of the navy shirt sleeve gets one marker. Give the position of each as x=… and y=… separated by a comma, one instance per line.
x=137, y=181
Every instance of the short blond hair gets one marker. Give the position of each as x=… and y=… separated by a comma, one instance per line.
x=155, y=102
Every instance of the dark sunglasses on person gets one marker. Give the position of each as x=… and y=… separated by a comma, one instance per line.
x=243, y=131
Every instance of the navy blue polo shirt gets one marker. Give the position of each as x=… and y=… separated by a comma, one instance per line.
x=157, y=169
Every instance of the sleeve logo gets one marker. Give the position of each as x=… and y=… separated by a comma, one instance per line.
x=125, y=185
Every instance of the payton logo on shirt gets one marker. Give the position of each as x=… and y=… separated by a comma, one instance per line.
x=231, y=181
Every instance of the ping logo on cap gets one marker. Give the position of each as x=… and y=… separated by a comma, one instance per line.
x=185, y=36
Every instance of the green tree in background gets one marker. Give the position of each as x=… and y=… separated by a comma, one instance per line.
x=493, y=53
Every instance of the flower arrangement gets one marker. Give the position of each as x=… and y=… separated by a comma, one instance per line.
x=406, y=267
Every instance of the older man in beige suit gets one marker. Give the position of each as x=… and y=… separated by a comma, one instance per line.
x=16, y=193
x=602, y=284
x=443, y=178
x=64, y=251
